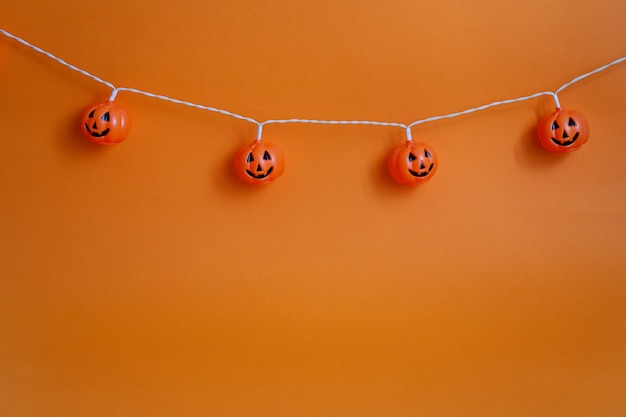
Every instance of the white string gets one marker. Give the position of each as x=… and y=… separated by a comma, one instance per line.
x=580, y=77
x=327, y=122
x=59, y=60
x=186, y=103
x=335, y=122
x=486, y=106
x=313, y=121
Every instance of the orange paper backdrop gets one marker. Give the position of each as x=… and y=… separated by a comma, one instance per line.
x=146, y=280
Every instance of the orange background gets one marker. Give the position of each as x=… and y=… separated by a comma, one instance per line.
x=146, y=280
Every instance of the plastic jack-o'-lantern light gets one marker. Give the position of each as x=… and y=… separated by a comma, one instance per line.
x=259, y=163
x=563, y=131
x=106, y=123
x=412, y=163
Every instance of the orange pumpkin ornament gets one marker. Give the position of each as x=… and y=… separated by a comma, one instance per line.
x=105, y=123
x=563, y=131
x=259, y=163
x=412, y=163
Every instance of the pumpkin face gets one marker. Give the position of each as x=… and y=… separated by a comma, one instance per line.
x=259, y=163
x=563, y=131
x=105, y=123
x=412, y=163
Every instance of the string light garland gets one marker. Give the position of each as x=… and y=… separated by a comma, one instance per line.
x=107, y=123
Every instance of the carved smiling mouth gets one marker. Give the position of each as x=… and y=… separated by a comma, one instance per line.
x=421, y=174
x=567, y=142
x=259, y=176
x=96, y=134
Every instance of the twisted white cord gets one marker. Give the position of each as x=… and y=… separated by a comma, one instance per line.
x=335, y=122
x=185, y=103
x=59, y=60
x=260, y=125
x=595, y=71
x=486, y=106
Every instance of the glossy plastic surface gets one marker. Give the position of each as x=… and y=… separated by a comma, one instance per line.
x=105, y=123
x=563, y=131
x=413, y=163
x=259, y=163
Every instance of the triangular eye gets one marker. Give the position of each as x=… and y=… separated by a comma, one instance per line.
x=90, y=115
x=266, y=156
x=105, y=117
x=250, y=158
x=571, y=122
x=427, y=154
x=412, y=157
x=555, y=125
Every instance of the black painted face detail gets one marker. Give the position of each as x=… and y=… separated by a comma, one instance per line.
x=421, y=173
x=259, y=175
x=105, y=117
x=565, y=139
